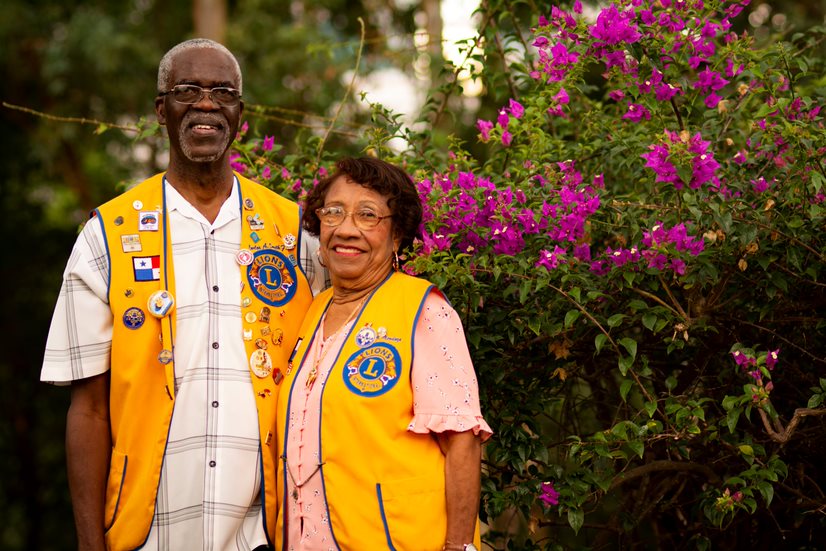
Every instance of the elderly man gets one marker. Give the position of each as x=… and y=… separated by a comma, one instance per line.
x=179, y=303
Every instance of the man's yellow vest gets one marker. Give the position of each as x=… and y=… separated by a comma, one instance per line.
x=274, y=298
x=384, y=485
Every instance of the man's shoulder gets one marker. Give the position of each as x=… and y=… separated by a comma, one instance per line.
x=265, y=193
x=150, y=185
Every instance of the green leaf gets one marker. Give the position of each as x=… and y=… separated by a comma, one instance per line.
x=576, y=518
x=599, y=341
x=745, y=449
x=731, y=419
x=571, y=317
x=650, y=408
x=615, y=320
x=625, y=363
x=767, y=491
x=576, y=292
x=649, y=321
x=630, y=345
x=637, y=446
x=625, y=386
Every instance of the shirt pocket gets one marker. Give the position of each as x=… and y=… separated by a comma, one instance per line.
x=413, y=513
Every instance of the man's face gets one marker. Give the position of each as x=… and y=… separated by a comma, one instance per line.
x=201, y=132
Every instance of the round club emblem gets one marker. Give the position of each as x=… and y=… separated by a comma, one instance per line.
x=272, y=277
x=372, y=371
x=261, y=363
x=133, y=318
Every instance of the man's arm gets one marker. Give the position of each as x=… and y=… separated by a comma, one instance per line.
x=463, y=458
x=88, y=452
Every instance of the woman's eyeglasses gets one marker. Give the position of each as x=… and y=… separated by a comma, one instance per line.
x=364, y=219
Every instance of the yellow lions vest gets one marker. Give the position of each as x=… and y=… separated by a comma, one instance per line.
x=384, y=485
x=274, y=296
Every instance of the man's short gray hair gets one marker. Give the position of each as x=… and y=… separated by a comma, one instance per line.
x=165, y=67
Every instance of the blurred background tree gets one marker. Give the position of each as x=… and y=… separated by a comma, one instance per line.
x=97, y=60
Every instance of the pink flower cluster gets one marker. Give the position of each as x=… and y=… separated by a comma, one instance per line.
x=662, y=158
x=514, y=109
x=470, y=213
x=659, y=250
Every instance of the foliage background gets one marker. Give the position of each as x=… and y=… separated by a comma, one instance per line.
x=98, y=59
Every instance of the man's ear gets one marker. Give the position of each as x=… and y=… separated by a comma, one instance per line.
x=160, y=109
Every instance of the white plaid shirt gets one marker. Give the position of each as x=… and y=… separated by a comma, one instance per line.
x=209, y=492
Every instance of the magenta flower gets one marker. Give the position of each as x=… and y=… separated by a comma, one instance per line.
x=637, y=112
x=549, y=495
x=613, y=27
x=516, y=109
x=503, y=119
x=484, y=128
x=507, y=137
x=771, y=359
x=265, y=174
x=269, y=142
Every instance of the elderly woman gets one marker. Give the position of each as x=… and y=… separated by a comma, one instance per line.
x=379, y=419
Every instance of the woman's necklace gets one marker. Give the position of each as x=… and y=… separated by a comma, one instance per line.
x=311, y=376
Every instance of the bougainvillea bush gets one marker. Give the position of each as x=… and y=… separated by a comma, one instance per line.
x=638, y=258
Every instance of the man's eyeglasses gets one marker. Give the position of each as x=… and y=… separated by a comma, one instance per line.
x=190, y=94
x=363, y=219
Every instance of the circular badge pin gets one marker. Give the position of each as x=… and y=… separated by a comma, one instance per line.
x=119, y=220
x=248, y=204
x=133, y=318
x=261, y=343
x=250, y=317
x=244, y=257
x=165, y=356
x=160, y=303
x=137, y=205
x=246, y=301
x=365, y=337
x=261, y=363
x=289, y=241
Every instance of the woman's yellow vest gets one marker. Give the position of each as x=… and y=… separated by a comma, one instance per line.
x=274, y=299
x=384, y=485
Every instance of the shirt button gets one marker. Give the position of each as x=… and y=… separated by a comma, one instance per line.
x=212, y=463
x=215, y=345
x=215, y=404
x=215, y=288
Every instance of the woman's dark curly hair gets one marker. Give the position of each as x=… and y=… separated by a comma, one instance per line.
x=382, y=177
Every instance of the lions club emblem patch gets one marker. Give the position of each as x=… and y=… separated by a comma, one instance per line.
x=272, y=277
x=372, y=371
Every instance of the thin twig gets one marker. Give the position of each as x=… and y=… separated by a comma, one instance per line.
x=78, y=120
x=346, y=93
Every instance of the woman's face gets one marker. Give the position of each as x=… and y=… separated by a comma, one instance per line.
x=357, y=258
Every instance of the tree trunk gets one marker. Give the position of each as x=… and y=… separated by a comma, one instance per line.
x=210, y=19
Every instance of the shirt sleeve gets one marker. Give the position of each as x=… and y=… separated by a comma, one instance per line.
x=445, y=389
x=80, y=336
x=317, y=275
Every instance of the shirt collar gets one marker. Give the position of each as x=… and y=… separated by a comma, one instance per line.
x=230, y=210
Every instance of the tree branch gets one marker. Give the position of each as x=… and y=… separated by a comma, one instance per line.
x=663, y=466
x=784, y=435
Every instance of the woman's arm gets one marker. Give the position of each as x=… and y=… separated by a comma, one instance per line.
x=463, y=459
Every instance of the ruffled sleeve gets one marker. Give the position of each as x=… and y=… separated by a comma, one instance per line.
x=445, y=389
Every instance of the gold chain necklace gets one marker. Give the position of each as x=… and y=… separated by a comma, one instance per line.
x=311, y=377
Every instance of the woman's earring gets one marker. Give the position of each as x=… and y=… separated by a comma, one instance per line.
x=395, y=261
x=320, y=260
